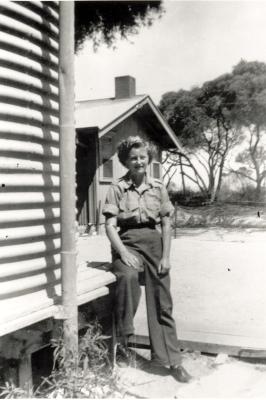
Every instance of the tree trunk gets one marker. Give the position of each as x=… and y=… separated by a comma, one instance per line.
x=258, y=190
x=219, y=183
x=254, y=159
x=198, y=179
x=211, y=188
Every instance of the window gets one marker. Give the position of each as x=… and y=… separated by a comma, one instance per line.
x=106, y=148
x=156, y=170
x=107, y=168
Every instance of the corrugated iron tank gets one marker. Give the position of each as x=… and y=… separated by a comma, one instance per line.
x=29, y=159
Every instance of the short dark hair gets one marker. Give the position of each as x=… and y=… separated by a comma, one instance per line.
x=124, y=147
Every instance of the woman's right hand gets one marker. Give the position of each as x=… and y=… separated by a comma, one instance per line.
x=130, y=259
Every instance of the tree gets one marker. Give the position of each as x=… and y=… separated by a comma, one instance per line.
x=201, y=118
x=253, y=166
x=249, y=85
x=183, y=114
x=218, y=101
x=104, y=21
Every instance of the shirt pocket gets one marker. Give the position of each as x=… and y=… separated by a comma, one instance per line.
x=128, y=212
x=128, y=205
x=153, y=202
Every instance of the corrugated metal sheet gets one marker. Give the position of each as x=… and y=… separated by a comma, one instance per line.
x=29, y=157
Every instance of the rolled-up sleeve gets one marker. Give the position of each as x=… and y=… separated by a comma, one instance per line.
x=167, y=208
x=111, y=202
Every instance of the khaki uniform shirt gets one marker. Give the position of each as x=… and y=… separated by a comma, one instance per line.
x=134, y=206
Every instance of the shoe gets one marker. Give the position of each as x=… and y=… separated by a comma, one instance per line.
x=123, y=356
x=180, y=374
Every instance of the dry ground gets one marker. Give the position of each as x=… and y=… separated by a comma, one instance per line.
x=218, y=288
x=218, y=280
x=229, y=379
x=218, y=277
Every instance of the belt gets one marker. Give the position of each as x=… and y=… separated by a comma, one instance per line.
x=137, y=226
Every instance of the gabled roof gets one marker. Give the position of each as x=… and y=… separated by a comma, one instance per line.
x=106, y=114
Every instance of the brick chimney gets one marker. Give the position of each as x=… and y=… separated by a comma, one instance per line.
x=125, y=86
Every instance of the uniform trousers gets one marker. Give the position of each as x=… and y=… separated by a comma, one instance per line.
x=146, y=244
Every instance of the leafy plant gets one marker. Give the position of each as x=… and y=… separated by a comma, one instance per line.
x=87, y=375
x=10, y=391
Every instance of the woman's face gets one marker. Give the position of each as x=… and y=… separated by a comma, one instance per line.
x=137, y=161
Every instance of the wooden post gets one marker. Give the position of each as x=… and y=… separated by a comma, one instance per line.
x=98, y=217
x=67, y=177
x=113, y=340
x=175, y=218
x=182, y=175
x=25, y=372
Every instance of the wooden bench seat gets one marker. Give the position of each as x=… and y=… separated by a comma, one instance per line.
x=28, y=307
x=24, y=310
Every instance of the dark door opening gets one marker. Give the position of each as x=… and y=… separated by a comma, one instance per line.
x=85, y=178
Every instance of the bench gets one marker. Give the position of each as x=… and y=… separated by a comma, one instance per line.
x=26, y=319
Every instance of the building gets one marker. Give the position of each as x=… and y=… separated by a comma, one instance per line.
x=101, y=124
x=35, y=226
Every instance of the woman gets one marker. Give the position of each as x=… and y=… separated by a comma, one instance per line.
x=136, y=204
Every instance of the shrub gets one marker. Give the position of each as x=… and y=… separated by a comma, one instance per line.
x=89, y=375
x=189, y=198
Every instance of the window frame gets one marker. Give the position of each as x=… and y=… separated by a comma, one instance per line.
x=152, y=169
x=103, y=178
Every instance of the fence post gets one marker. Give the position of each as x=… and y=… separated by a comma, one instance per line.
x=175, y=218
x=99, y=212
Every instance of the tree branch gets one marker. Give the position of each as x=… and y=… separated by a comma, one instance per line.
x=242, y=174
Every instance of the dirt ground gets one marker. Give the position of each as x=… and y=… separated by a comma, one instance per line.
x=217, y=282
x=218, y=287
x=213, y=377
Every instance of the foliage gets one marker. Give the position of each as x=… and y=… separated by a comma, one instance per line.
x=90, y=375
x=184, y=114
x=105, y=21
x=188, y=198
x=249, y=84
x=201, y=120
x=211, y=120
x=244, y=194
x=10, y=391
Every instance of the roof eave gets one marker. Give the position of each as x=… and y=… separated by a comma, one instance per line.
x=122, y=117
x=164, y=123
x=132, y=110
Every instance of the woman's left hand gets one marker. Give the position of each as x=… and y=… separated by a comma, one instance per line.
x=164, y=266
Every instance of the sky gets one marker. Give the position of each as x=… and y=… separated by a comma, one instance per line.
x=193, y=42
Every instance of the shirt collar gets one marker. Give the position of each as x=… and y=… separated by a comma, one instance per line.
x=127, y=181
